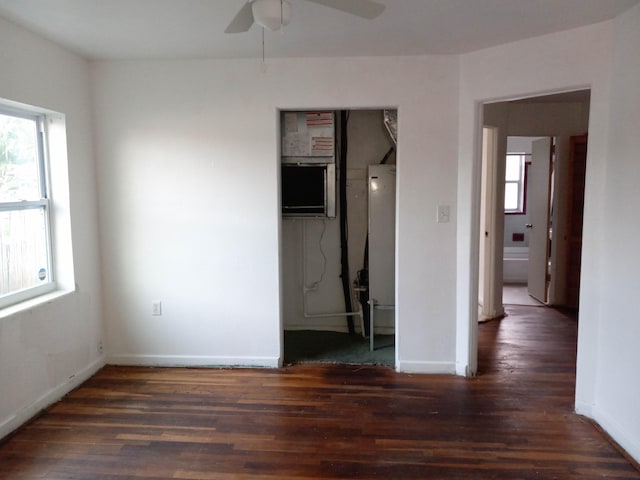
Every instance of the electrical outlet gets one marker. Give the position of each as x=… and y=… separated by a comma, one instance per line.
x=156, y=307
x=444, y=214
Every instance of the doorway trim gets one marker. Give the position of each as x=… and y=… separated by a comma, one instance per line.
x=468, y=275
x=489, y=260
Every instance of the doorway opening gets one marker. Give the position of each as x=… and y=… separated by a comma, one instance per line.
x=338, y=244
x=528, y=220
x=532, y=197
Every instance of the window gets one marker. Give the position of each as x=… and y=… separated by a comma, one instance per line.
x=515, y=183
x=25, y=240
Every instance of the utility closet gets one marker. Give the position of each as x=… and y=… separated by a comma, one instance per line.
x=338, y=181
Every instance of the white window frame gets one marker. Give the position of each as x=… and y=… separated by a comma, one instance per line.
x=43, y=203
x=520, y=182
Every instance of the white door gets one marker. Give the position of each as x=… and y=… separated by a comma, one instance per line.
x=538, y=207
x=491, y=212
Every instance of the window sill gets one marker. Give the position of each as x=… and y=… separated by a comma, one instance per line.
x=33, y=303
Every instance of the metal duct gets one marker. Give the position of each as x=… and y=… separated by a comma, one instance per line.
x=390, y=119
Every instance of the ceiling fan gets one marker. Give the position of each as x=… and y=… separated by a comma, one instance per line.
x=274, y=14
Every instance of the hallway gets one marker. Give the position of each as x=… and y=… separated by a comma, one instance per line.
x=530, y=340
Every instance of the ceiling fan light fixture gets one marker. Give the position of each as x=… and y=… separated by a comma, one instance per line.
x=271, y=14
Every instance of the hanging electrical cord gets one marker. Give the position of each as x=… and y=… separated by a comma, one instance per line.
x=317, y=283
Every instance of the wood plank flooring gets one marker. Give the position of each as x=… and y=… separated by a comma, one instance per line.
x=514, y=421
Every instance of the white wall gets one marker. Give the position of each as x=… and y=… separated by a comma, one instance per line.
x=188, y=168
x=48, y=349
x=617, y=387
x=607, y=357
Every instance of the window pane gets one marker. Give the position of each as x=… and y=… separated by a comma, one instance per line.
x=19, y=168
x=23, y=250
x=514, y=167
x=511, y=197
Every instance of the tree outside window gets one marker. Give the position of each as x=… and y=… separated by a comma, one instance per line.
x=25, y=260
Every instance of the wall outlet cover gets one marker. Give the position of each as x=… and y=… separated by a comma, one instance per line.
x=156, y=307
x=444, y=214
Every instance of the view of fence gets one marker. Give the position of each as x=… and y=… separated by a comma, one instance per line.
x=23, y=227
x=23, y=249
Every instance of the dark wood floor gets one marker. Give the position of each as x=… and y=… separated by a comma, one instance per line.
x=514, y=421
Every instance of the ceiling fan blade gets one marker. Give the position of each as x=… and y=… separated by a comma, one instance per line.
x=362, y=8
x=242, y=21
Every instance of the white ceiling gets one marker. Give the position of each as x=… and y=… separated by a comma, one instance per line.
x=169, y=29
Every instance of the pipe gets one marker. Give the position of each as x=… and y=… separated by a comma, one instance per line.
x=305, y=289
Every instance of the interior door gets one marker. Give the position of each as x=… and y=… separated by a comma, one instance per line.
x=538, y=201
x=575, y=191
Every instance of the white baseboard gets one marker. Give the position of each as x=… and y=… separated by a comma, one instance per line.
x=192, y=361
x=494, y=316
x=54, y=394
x=462, y=369
x=585, y=409
x=408, y=366
x=627, y=440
